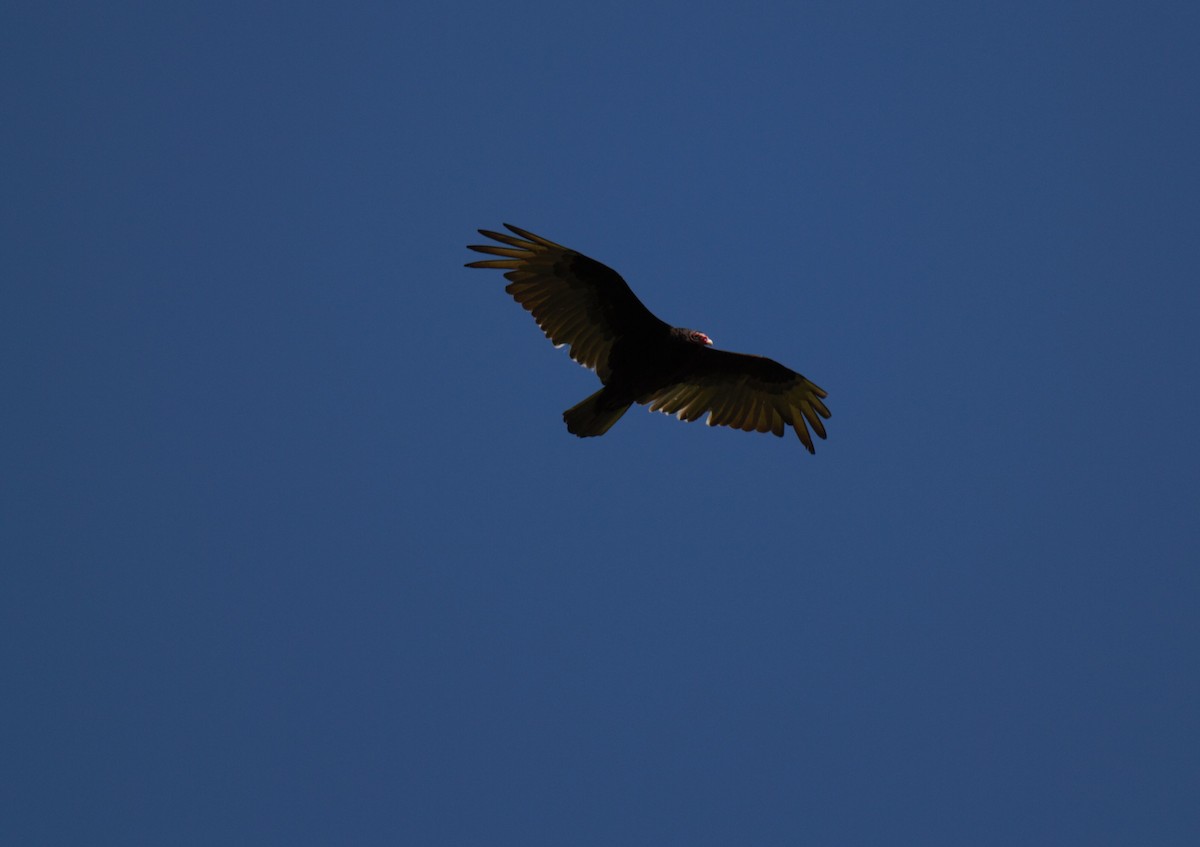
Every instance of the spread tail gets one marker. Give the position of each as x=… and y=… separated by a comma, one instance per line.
x=595, y=415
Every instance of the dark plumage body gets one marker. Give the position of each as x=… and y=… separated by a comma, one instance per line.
x=639, y=358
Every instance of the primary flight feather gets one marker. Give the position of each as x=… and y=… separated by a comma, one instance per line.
x=586, y=306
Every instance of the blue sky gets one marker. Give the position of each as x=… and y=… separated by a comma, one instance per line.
x=297, y=549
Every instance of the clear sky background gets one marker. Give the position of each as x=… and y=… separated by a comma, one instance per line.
x=296, y=547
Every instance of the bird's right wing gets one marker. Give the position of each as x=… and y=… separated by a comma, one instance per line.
x=575, y=300
x=745, y=392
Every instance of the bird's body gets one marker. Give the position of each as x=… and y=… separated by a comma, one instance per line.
x=639, y=367
x=639, y=358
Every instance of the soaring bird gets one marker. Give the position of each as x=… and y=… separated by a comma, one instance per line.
x=639, y=358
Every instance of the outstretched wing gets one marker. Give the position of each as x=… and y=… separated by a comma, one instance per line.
x=751, y=393
x=575, y=300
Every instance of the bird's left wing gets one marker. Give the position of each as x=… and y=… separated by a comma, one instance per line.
x=751, y=393
x=576, y=301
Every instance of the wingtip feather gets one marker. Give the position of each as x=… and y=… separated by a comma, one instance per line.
x=494, y=263
x=536, y=239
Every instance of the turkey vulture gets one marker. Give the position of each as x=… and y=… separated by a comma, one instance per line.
x=640, y=359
